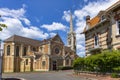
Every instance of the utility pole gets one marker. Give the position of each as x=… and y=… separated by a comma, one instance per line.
x=1, y=52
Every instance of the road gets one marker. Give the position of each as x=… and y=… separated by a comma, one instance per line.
x=52, y=75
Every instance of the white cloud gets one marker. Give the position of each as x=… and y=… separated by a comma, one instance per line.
x=14, y=20
x=12, y=12
x=92, y=8
x=54, y=26
x=66, y=15
x=52, y=34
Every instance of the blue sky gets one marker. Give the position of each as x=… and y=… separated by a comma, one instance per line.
x=41, y=19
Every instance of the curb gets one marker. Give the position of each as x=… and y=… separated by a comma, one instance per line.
x=22, y=79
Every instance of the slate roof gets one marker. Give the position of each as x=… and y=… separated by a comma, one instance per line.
x=45, y=41
x=16, y=38
x=68, y=49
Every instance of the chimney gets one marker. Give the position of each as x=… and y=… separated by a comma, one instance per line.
x=87, y=22
x=87, y=18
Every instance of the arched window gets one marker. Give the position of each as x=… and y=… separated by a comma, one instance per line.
x=26, y=61
x=8, y=50
x=17, y=50
x=96, y=38
x=25, y=51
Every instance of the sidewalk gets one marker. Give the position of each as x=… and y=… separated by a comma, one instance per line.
x=12, y=79
x=94, y=77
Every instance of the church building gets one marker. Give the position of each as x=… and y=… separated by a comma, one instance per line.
x=23, y=54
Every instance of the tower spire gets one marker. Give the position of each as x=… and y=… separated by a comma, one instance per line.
x=71, y=22
x=71, y=39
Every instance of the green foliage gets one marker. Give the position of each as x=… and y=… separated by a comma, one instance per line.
x=2, y=26
x=117, y=69
x=107, y=61
x=65, y=67
x=114, y=75
x=80, y=62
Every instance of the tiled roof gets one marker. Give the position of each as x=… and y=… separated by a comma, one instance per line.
x=16, y=38
x=94, y=21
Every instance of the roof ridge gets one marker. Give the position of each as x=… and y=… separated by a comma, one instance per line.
x=109, y=8
x=24, y=37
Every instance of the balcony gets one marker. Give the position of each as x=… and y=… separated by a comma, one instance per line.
x=96, y=49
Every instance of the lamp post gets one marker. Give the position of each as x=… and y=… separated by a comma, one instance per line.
x=1, y=52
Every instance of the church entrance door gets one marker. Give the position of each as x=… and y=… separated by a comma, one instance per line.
x=54, y=65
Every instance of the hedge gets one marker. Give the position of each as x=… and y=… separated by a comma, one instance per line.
x=107, y=61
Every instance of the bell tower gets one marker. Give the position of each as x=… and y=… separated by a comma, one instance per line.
x=71, y=38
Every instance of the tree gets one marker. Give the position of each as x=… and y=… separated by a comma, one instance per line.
x=2, y=26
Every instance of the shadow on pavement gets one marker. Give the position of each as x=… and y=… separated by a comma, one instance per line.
x=10, y=79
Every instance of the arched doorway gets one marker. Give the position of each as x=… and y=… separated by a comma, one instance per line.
x=54, y=65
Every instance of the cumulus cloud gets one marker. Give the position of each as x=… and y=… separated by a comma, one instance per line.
x=14, y=19
x=66, y=15
x=54, y=26
x=52, y=34
x=92, y=8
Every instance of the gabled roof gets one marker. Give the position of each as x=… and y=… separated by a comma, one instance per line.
x=16, y=38
x=54, y=38
x=57, y=38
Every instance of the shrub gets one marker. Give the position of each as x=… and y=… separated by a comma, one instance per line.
x=78, y=64
x=116, y=69
x=106, y=61
x=114, y=75
x=65, y=67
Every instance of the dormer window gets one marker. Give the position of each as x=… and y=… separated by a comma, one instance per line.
x=118, y=27
x=102, y=17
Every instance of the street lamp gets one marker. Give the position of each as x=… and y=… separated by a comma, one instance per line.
x=1, y=53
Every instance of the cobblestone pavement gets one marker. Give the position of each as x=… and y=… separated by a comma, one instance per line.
x=52, y=75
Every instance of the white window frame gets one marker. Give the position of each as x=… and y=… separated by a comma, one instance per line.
x=117, y=27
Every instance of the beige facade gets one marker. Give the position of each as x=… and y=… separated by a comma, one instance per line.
x=103, y=31
x=22, y=54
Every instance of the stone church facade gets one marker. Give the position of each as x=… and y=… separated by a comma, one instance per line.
x=103, y=31
x=23, y=54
